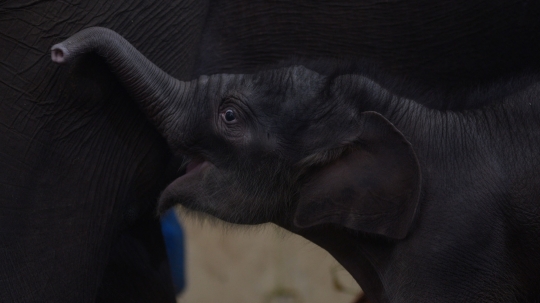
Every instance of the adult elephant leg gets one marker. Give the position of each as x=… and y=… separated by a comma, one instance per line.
x=80, y=169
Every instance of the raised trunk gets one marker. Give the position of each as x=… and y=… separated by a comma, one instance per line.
x=157, y=93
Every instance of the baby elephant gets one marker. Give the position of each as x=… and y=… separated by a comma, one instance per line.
x=419, y=205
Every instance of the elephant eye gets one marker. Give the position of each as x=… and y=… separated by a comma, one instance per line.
x=229, y=116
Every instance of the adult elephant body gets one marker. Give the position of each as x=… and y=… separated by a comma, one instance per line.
x=80, y=169
x=442, y=43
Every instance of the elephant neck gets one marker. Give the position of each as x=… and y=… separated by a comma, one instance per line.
x=439, y=137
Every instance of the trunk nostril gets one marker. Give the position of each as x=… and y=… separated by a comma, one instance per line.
x=59, y=53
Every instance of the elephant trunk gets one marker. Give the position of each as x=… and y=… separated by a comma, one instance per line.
x=157, y=93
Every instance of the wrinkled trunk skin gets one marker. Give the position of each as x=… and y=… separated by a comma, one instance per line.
x=161, y=97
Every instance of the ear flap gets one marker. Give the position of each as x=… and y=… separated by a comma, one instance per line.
x=373, y=189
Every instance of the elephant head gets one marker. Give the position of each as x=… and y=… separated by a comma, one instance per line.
x=288, y=145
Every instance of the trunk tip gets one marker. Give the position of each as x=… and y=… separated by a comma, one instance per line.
x=59, y=53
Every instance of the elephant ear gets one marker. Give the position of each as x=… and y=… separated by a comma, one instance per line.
x=373, y=188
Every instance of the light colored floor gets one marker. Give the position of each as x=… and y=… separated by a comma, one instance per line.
x=260, y=265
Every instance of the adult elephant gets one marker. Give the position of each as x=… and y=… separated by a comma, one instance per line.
x=80, y=169
x=443, y=43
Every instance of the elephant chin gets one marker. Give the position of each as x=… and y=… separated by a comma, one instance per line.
x=165, y=202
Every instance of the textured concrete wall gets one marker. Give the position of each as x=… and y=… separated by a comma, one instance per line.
x=260, y=265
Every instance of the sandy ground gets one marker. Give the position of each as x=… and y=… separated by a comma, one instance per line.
x=259, y=265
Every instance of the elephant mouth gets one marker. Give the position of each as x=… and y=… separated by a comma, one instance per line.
x=194, y=169
x=194, y=166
